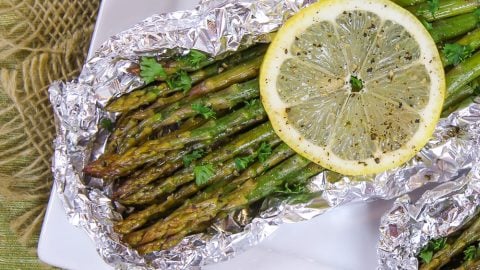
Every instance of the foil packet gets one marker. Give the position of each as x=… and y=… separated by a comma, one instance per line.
x=408, y=226
x=217, y=27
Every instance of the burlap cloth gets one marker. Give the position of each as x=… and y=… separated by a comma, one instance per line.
x=40, y=41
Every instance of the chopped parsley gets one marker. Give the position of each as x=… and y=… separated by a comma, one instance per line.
x=456, y=53
x=433, y=6
x=106, y=124
x=192, y=156
x=151, y=70
x=426, y=254
x=471, y=253
x=241, y=163
x=180, y=80
x=251, y=103
x=203, y=173
x=264, y=151
x=193, y=58
x=206, y=112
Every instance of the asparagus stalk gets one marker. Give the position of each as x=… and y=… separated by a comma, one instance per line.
x=470, y=265
x=165, y=166
x=122, y=126
x=405, y=3
x=195, y=221
x=446, y=8
x=157, y=230
x=453, y=101
x=452, y=27
x=225, y=99
x=151, y=93
x=121, y=165
x=239, y=73
x=442, y=257
x=463, y=74
x=246, y=143
x=140, y=218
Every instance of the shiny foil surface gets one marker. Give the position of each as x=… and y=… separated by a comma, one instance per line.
x=409, y=226
x=217, y=27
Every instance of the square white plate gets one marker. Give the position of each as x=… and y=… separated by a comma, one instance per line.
x=342, y=239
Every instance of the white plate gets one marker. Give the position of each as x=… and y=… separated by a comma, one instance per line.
x=342, y=239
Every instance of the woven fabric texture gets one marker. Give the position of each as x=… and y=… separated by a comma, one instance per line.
x=40, y=41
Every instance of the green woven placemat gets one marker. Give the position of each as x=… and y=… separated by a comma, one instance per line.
x=40, y=42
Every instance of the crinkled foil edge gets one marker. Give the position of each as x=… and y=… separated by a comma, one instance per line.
x=408, y=226
x=216, y=27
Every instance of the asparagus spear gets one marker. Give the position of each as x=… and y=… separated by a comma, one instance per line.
x=121, y=165
x=470, y=265
x=463, y=74
x=452, y=27
x=445, y=9
x=454, y=100
x=222, y=100
x=247, y=142
x=239, y=73
x=405, y=3
x=150, y=94
x=165, y=166
x=195, y=221
x=468, y=44
x=138, y=219
x=442, y=257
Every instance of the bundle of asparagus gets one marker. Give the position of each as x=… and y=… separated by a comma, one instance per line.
x=460, y=251
x=195, y=144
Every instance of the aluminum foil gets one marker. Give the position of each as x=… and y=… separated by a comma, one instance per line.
x=408, y=226
x=216, y=27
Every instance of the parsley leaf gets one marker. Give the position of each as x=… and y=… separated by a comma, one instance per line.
x=264, y=151
x=241, y=163
x=439, y=243
x=294, y=188
x=151, y=70
x=456, y=53
x=433, y=6
x=203, y=173
x=106, y=124
x=470, y=253
x=192, y=156
x=356, y=84
x=193, y=58
x=251, y=103
x=477, y=13
x=426, y=254
x=203, y=110
x=180, y=80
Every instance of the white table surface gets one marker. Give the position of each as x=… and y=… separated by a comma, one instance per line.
x=342, y=239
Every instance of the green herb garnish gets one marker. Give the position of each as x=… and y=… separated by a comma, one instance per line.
x=356, y=84
x=192, y=156
x=203, y=173
x=180, y=80
x=151, y=70
x=251, y=103
x=426, y=254
x=456, y=53
x=106, y=124
x=241, y=163
x=433, y=6
x=470, y=253
x=203, y=110
x=193, y=58
x=264, y=151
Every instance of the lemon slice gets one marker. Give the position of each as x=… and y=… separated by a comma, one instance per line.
x=355, y=86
